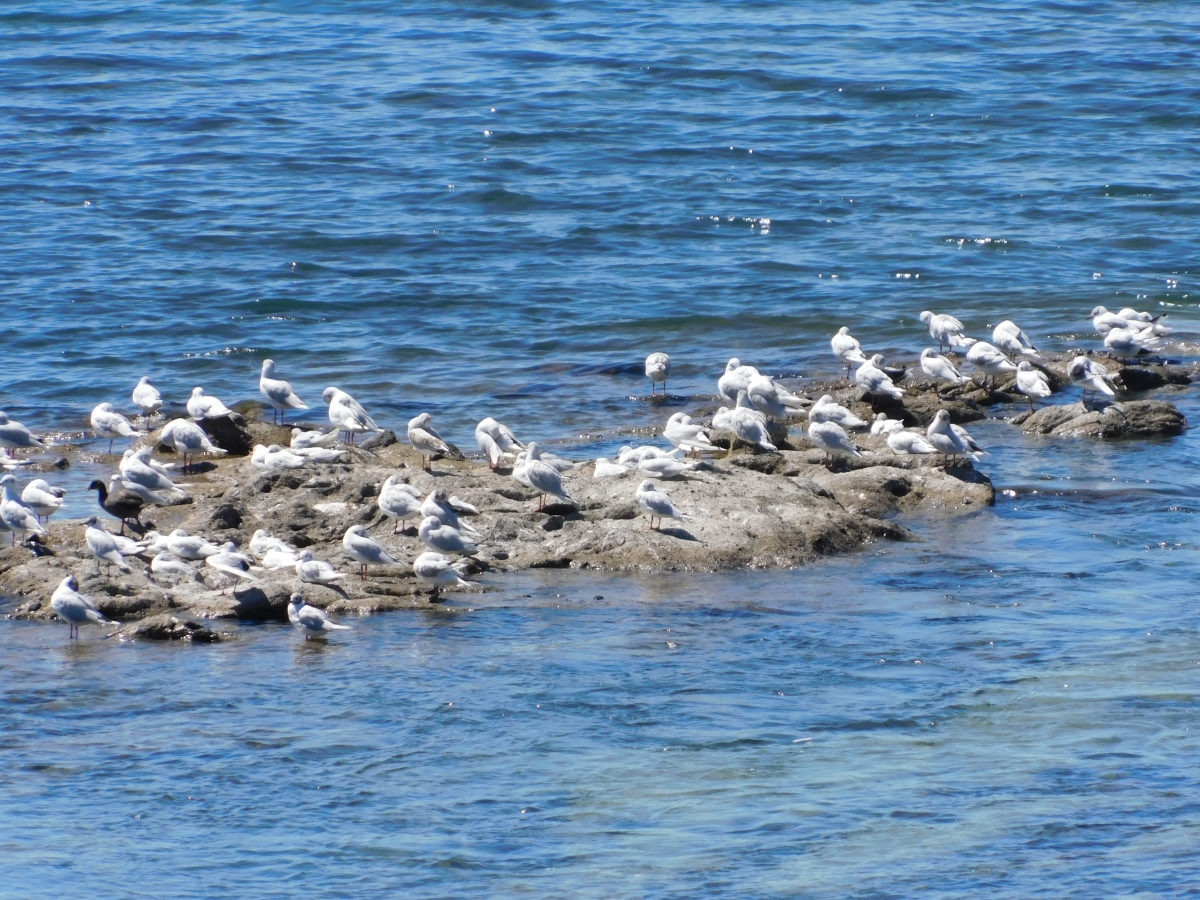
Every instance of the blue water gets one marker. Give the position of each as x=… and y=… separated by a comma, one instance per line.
x=500, y=208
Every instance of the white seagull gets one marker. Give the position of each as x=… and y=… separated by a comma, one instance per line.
x=230, y=563
x=444, y=538
x=826, y=410
x=658, y=367
x=187, y=439
x=75, y=608
x=188, y=546
x=316, y=571
x=312, y=621
x=736, y=378
x=167, y=565
x=446, y=509
x=426, y=440
x=15, y=516
x=946, y=330
x=102, y=546
x=305, y=440
x=399, y=501
x=277, y=392
x=1091, y=377
x=663, y=467
x=1012, y=340
x=496, y=441
x=347, y=413
x=988, y=360
x=830, y=437
x=276, y=457
x=747, y=424
x=201, y=406
x=656, y=504
x=15, y=436
x=1127, y=342
x=939, y=368
x=543, y=478
x=946, y=439
x=606, y=469
x=882, y=425
x=435, y=570
x=146, y=397
x=908, y=443
x=112, y=425
x=874, y=380
x=687, y=436
x=847, y=349
x=365, y=550
x=42, y=499
x=1032, y=383
x=771, y=399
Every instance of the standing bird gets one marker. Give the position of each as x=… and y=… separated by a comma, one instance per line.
x=438, y=505
x=988, y=360
x=365, y=550
x=75, y=608
x=1012, y=340
x=543, y=478
x=658, y=367
x=42, y=499
x=1127, y=342
x=230, y=563
x=399, y=501
x=939, y=368
x=946, y=330
x=122, y=504
x=772, y=399
x=830, y=437
x=146, y=397
x=112, y=425
x=656, y=504
x=187, y=439
x=847, y=349
x=496, y=441
x=15, y=436
x=444, y=538
x=874, y=380
x=1032, y=383
x=277, y=392
x=747, y=424
x=1104, y=321
x=201, y=406
x=1091, y=377
x=436, y=570
x=686, y=436
x=312, y=621
x=947, y=439
x=15, y=516
x=736, y=378
x=191, y=546
x=316, y=571
x=347, y=413
x=102, y=546
x=426, y=440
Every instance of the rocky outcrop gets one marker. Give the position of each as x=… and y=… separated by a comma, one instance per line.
x=1131, y=419
x=166, y=627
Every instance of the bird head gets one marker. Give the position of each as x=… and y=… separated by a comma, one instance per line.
x=926, y=316
x=328, y=394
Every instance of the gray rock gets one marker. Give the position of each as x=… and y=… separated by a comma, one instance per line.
x=166, y=627
x=385, y=438
x=1130, y=419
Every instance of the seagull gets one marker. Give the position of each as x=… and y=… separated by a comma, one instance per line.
x=15, y=515
x=543, y=478
x=426, y=440
x=686, y=436
x=277, y=392
x=966, y=438
x=75, y=608
x=908, y=443
x=315, y=571
x=277, y=558
x=826, y=410
x=200, y=406
x=748, y=425
x=167, y=565
x=437, y=570
x=312, y=621
x=557, y=462
x=830, y=437
x=313, y=454
x=262, y=543
x=365, y=550
x=1126, y=342
x=874, y=380
x=441, y=507
x=987, y=359
x=146, y=397
x=847, y=349
x=276, y=457
x=939, y=368
x=1012, y=340
x=772, y=399
x=631, y=456
x=102, y=546
x=112, y=425
x=736, y=378
x=882, y=425
x=658, y=367
x=118, y=483
x=230, y=563
x=190, y=546
x=663, y=467
x=606, y=469
x=187, y=439
x=42, y=499
x=656, y=504
x=399, y=501
x=1142, y=319
x=1104, y=321
x=946, y=330
x=347, y=413
x=1032, y=383
x=15, y=436
x=1091, y=377
x=140, y=467
x=123, y=504
x=304, y=440
x=946, y=439
x=444, y=538
x=496, y=440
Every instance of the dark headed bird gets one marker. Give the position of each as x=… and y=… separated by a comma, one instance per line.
x=121, y=504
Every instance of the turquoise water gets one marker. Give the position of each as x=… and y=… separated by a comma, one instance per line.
x=188, y=189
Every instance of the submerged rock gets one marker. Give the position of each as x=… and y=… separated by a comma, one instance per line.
x=166, y=627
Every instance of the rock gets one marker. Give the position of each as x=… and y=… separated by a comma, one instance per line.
x=923, y=407
x=1147, y=378
x=229, y=434
x=881, y=490
x=378, y=441
x=1130, y=419
x=166, y=627
x=553, y=523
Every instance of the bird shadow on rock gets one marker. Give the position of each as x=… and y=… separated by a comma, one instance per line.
x=681, y=533
x=558, y=509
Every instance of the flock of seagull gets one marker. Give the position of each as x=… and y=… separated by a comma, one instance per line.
x=755, y=399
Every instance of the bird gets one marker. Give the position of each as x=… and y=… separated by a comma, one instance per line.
x=112, y=425
x=312, y=621
x=988, y=360
x=874, y=380
x=102, y=546
x=230, y=563
x=631, y=456
x=316, y=571
x=347, y=413
x=658, y=367
x=687, y=436
x=190, y=546
x=832, y=438
x=940, y=368
x=441, y=507
x=847, y=349
x=277, y=558
x=75, y=608
x=946, y=330
x=187, y=439
x=1091, y=377
x=399, y=501
x=909, y=443
x=277, y=392
x=1012, y=340
x=277, y=458
x=1127, y=342
x=314, y=454
x=882, y=425
x=663, y=467
x=543, y=478
x=15, y=436
x=167, y=565
x=826, y=410
x=146, y=397
x=426, y=440
x=261, y=543
x=772, y=399
x=118, y=483
x=444, y=538
x=947, y=440
x=123, y=504
x=140, y=467
x=1141, y=319
x=604, y=468
x=15, y=516
x=656, y=504
x=438, y=571
x=201, y=406
x=736, y=378
x=748, y=425
x=304, y=440
x=966, y=438
x=496, y=441
x=365, y=550
x=1104, y=321
x=1031, y=382
x=42, y=499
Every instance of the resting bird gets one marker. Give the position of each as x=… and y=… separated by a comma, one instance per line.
x=686, y=436
x=988, y=360
x=123, y=504
x=146, y=397
x=303, y=440
x=1012, y=340
x=736, y=378
x=112, y=425
x=826, y=410
x=946, y=439
x=663, y=467
x=426, y=440
x=946, y=330
x=365, y=550
x=830, y=437
x=167, y=565
x=441, y=507
x=656, y=504
x=102, y=546
x=606, y=469
x=201, y=406
x=847, y=349
x=316, y=571
x=771, y=399
x=75, y=608
x=435, y=570
x=658, y=367
x=277, y=458
x=543, y=478
x=1091, y=377
x=190, y=546
x=496, y=441
x=874, y=380
x=882, y=425
x=1127, y=342
x=444, y=538
x=42, y=499
x=277, y=392
x=230, y=563
x=187, y=439
x=1032, y=383
x=15, y=516
x=347, y=413
x=399, y=501
x=1104, y=321
x=908, y=443
x=747, y=424
x=15, y=436
x=312, y=621
x=939, y=368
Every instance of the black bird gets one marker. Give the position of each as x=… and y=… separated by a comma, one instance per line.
x=122, y=504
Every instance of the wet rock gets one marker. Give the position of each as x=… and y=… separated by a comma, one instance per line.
x=1129, y=419
x=166, y=627
x=882, y=490
x=921, y=409
x=1147, y=378
x=385, y=438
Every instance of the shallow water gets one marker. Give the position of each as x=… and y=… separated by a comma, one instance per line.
x=189, y=189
